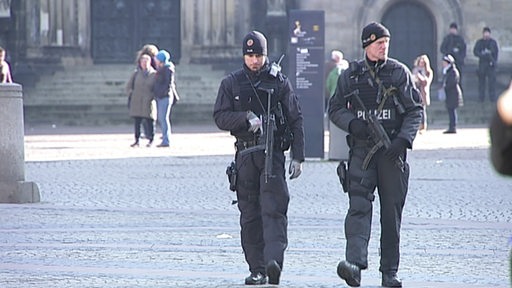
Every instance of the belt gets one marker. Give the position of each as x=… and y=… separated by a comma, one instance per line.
x=242, y=145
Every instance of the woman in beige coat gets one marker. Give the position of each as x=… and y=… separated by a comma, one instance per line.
x=423, y=75
x=142, y=105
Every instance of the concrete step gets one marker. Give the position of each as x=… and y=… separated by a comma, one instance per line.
x=95, y=95
x=106, y=81
x=473, y=112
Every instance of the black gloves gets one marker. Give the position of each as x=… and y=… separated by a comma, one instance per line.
x=396, y=149
x=359, y=129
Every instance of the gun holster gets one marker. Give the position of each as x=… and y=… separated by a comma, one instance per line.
x=232, y=175
x=341, y=170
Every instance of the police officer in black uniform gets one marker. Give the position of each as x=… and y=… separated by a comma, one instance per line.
x=385, y=88
x=454, y=44
x=263, y=200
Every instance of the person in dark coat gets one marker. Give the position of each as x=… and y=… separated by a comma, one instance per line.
x=454, y=44
x=241, y=104
x=451, y=86
x=486, y=49
x=385, y=87
x=501, y=134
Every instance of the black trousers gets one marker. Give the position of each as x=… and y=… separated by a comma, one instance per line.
x=486, y=77
x=149, y=125
x=452, y=117
x=263, y=209
x=392, y=185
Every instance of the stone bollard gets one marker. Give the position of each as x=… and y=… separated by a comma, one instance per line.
x=13, y=187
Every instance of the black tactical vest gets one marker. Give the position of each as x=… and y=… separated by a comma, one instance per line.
x=253, y=96
x=372, y=96
x=252, y=91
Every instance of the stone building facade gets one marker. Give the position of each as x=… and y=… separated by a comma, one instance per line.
x=58, y=33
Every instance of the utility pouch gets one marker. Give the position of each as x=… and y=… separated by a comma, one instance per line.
x=232, y=175
x=286, y=140
x=341, y=170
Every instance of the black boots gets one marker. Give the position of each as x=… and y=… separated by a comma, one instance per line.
x=391, y=280
x=273, y=272
x=256, y=279
x=350, y=273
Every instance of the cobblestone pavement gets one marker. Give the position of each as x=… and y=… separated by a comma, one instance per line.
x=115, y=216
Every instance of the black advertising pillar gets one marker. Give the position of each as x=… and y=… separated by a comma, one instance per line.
x=306, y=73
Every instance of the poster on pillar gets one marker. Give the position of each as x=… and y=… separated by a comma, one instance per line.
x=307, y=37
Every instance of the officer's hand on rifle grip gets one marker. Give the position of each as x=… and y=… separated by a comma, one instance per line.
x=396, y=149
x=359, y=129
x=295, y=169
x=254, y=122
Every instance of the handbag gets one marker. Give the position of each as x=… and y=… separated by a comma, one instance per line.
x=441, y=94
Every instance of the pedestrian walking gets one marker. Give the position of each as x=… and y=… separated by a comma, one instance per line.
x=384, y=87
x=142, y=105
x=5, y=69
x=486, y=49
x=452, y=91
x=422, y=76
x=332, y=77
x=164, y=90
x=242, y=107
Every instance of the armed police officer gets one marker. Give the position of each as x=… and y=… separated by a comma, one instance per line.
x=242, y=107
x=380, y=89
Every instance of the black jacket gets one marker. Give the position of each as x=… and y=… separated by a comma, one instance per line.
x=487, y=52
x=230, y=110
x=501, y=145
x=340, y=112
x=454, y=45
x=451, y=82
x=164, y=82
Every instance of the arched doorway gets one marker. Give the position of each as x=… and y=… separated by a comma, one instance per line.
x=412, y=28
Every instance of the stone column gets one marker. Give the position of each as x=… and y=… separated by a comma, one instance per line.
x=13, y=187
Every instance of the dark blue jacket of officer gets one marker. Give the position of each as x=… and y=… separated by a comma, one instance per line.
x=241, y=104
x=386, y=89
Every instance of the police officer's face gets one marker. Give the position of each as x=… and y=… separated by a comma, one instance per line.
x=378, y=50
x=254, y=61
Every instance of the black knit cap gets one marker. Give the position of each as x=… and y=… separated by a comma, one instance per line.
x=486, y=29
x=372, y=32
x=454, y=25
x=254, y=43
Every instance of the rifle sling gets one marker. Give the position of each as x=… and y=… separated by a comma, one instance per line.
x=387, y=91
x=379, y=144
x=370, y=154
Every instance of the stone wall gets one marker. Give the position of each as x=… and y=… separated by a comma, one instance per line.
x=345, y=19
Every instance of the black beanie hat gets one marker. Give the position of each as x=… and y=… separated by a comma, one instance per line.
x=372, y=32
x=454, y=25
x=254, y=43
x=486, y=29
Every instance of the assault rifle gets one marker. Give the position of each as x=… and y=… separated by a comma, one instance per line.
x=377, y=132
x=269, y=124
x=266, y=137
